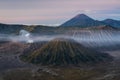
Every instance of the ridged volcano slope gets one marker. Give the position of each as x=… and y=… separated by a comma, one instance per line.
x=65, y=51
x=32, y=47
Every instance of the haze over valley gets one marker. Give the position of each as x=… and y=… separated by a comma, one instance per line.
x=40, y=40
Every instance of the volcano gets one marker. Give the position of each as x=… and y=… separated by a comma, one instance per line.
x=82, y=20
x=61, y=51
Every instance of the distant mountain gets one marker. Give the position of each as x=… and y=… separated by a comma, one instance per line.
x=79, y=21
x=61, y=51
x=114, y=23
x=82, y=20
x=15, y=29
x=10, y=29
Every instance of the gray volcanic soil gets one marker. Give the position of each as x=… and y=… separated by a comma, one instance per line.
x=9, y=53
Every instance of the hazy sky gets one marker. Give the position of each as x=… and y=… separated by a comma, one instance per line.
x=53, y=12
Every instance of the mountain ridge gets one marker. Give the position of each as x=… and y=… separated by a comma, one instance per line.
x=79, y=21
x=82, y=20
x=112, y=22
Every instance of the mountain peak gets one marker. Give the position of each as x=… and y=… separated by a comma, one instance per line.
x=82, y=16
x=81, y=20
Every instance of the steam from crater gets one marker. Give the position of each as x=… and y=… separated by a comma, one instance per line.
x=25, y=36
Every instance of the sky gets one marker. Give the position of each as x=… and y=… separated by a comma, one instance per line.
x=55, y=12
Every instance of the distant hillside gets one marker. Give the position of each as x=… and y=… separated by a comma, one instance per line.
x=15, y=29
x=6, y=28
x=62, y=51
x=82, y=20
x=114, y=23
